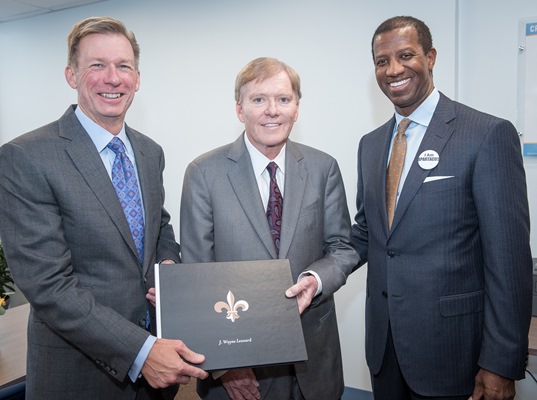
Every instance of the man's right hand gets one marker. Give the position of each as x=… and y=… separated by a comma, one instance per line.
x=241, y=384
x=164, y=365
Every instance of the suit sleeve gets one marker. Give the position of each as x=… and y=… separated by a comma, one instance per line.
x=339, y=259
x=39, y=255
x=359, y=228
x=167, y=247
x=197, y=226
x=499, y=190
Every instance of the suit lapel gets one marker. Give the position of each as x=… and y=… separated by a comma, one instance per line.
x=244, y=184
x=88, y=162
x=295, y=186
x=437, y=135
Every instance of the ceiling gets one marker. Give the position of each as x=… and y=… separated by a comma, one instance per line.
x=17, y=9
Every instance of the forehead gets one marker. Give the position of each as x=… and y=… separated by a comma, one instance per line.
x=106, y=45
x=395, y=40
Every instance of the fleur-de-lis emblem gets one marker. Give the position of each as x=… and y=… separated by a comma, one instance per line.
x=231, y=307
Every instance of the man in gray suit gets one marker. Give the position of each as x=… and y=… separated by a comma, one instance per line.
x=224, y=217
x=68, y=242
x=448, y=301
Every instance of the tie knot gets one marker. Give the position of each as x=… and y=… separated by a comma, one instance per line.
x=116, y=145
x=272, y=167
x=403, y=125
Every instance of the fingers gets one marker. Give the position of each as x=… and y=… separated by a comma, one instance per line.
x=151, y=296
x=164, y=366
x=241, y=384
x=307, y=283
x=187, y=354
x=304, y=291
x=296, y=289
x=490, y=386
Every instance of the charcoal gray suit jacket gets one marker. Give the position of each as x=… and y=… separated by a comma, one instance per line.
x=223, y=219
x=69, y=246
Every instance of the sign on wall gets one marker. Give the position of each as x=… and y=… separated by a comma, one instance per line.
x=527, y=85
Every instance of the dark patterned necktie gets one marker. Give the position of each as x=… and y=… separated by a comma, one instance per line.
x=274, y=206
x=126, y=185
x=395, y=168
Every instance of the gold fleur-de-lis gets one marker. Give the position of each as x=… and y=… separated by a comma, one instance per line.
x=231, y=307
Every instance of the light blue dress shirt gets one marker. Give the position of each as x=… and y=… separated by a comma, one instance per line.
x=101, y=137
x=421, y=117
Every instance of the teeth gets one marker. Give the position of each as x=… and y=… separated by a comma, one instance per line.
x=271, y=125
x=400, y=83
x=111, y=95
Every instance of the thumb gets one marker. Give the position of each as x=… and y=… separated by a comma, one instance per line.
x=294, y=290
x=189, y=355
x=477, y=394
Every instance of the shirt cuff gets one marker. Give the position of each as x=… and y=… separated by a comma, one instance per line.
x=136, y=368
x=319, y=282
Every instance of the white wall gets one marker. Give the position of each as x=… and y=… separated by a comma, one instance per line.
x=191, y=53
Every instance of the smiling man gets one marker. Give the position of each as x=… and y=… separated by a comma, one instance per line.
x=262, y=197
x=443, y=223
x=81, y=248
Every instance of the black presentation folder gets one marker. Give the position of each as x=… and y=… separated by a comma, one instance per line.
x=234, y=313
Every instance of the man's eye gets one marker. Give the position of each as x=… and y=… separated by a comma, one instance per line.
x=285, y=100
x=380, y=63
x=125, y=67
x=407, y=56
x=96, y=65
x=257, y=100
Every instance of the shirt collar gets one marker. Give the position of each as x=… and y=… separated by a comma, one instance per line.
x=100, y=136
x=424, y=113
x=259, y=161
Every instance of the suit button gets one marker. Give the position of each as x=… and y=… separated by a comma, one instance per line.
x=391, y=254
x=142, y=322
x=384, y=294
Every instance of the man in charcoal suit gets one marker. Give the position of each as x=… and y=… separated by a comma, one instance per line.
x=82, y=257
x=226, y=199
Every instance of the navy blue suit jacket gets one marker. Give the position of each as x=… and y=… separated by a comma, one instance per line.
x=453, y=276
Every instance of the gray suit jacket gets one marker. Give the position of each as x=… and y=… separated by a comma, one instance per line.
x=453, y=276
x=222, y=219
x=69, y=246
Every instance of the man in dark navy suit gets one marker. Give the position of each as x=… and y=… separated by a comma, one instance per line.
x=449, y=280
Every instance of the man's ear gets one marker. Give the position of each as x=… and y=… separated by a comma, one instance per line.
x=70, y=76
x=238, y=108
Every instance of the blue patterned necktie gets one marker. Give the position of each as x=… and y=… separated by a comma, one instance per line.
x=126, y=185
x=274, y=206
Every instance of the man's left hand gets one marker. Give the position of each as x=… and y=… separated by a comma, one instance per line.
x=304, y=291
x=489, y=386
x=151, y=294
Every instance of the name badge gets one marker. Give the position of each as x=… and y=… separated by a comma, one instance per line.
x=428, y=159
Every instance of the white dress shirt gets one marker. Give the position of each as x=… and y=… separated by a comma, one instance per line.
x=262, y=176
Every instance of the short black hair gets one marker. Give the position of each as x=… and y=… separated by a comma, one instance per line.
x=425, y=38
